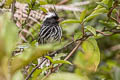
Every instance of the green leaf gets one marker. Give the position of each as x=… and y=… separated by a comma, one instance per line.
x=82, y=15
x=36, y=6
x=108, y=24
x=91, y=29
x=18, y=76
x=43, y=2
x=43, y=9
x=8, y=2
x=116, y=73
x=50, y=1
x=61, y=61
x=88, y=59
x=58, y=56
x=36, y=74
x=66, y=76
x=70, y=21
x=78, y=35
x=110, y=3
x=48, y=57
x=95, y=13
x=2, y=50
x=101, y=10
x=102, y=4
x=91, y=17
x=28, y=56
x=33, y=43
x=103, y=1
x=33, y=1
x=8, y=33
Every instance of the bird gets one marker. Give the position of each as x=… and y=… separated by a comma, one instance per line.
x=50, y=30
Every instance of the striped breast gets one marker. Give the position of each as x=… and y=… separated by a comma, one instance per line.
x=49, y=34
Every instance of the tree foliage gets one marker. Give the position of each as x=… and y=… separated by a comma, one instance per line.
x=89, y=48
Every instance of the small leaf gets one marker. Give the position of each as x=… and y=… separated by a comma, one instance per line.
x=91, y=29
x=109, y=24
x=61, y=61
x=102, y=4
x=103, y=1
x=58, y=56
x=18, y=76
x=95, y=13
x=91, y=17
x=48, y=57
x=28, y=55
x=36, y=74
x=50, y=1
x=88, y=59
x=9, y=32
x=101, y=10
x=33, y=1
x=116, y=73
x=82, y=15
x=70, y=21
x=43, y=2
x=34, y=43
x=110, y=3
x=43, y=9
x=36, y=6
x=66, y=76
x=78, y=35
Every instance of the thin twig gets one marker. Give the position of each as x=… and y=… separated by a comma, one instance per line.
x=46, y=76
x=103, y=33
x=62, y=2
x=77, y=46
x=113, y=31
x=13, y=9
x=82, y=26
x=33, y=70
x=29, y=11
x=59, y=50
x=110, y=12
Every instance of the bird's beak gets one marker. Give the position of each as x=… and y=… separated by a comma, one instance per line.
x=60, y=19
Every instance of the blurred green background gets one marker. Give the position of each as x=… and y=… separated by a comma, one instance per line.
x=97, y=58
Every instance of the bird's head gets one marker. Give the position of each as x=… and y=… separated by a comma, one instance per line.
x=51, y=18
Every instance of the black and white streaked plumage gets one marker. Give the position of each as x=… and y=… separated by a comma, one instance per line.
x=50, y=30
x=49, y=33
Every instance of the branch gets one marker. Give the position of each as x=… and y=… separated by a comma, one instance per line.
x=114, y=31
x=110, y=12
x=70, y=54
x=103, y=33
x=29, y=11
x=13, y=9
x=62, y=2
x=33, y=70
